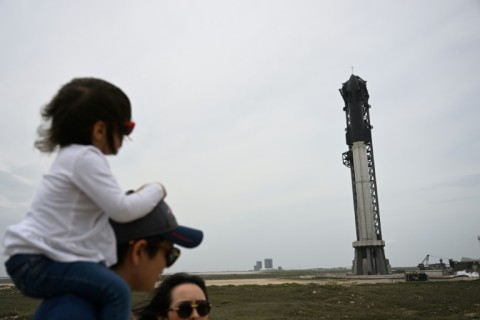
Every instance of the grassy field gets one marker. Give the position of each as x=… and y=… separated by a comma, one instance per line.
x=396, y=300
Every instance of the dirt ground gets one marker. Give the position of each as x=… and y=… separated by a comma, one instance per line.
x=347, y=280
x=241, y=282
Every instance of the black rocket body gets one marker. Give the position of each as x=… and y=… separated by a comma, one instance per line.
x=355, y=94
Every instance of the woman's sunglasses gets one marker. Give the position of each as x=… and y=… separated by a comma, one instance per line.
x=185, y=309
x=127, y=127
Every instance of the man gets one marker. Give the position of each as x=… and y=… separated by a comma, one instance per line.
x=145, y=247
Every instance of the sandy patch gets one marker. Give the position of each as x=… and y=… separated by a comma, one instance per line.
x=240, y=282
x=6, y=286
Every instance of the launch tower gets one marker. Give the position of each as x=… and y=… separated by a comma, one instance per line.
x=369, y=248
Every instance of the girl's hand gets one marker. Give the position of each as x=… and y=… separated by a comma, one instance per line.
x=161, y=186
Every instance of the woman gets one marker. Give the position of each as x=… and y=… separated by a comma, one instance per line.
x=179, y=296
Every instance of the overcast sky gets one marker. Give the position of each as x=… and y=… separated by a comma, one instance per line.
x=238, y=113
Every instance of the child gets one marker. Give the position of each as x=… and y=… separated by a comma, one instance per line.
x=65, y=244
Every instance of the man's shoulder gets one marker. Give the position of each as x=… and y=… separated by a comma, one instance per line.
x=68, y=306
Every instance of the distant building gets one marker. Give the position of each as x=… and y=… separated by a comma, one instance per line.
x=268, y=263
x=258, y=266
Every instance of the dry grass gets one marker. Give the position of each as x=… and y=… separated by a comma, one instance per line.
x=430, y=300
x=331, y=297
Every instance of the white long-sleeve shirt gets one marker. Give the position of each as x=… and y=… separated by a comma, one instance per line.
x=68, y=219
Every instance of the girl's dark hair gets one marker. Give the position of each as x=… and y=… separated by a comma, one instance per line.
x=162, y=296
x=78, y=105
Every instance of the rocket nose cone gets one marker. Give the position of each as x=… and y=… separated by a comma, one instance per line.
x=352, y=84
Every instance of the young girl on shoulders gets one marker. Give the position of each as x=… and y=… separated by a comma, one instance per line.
x=65, y=244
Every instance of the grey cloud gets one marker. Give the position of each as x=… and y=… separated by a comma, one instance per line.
x=239, y=114
x=14, y=188
x=468, y=181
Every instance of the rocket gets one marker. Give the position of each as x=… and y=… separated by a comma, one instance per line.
x=369, y=246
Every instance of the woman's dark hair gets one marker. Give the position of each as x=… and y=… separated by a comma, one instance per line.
x=162, y=296
x=78, y=105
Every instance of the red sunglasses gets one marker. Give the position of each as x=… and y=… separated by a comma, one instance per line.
x=127, y=127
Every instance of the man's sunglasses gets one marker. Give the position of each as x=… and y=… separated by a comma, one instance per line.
x=185, y=309
x=171, y=254
x=127, y=127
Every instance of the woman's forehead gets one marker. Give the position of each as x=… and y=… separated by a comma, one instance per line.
x=187, y=292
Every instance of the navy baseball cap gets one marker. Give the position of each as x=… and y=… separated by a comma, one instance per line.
x=159, y=222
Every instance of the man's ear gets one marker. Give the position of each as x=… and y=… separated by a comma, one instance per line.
x=137, y=250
